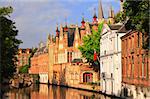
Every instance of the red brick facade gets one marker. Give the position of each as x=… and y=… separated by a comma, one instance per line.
x=23, y=57
x=135, y=60
x=39, y=62
x=66, y=47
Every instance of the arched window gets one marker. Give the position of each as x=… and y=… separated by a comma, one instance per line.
x=88, y=77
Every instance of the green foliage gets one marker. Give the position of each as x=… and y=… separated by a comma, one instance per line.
x=9, y=44
x=91, y=42
x=137, y=13
x=120, y=17
x=24, y=69
x=5, y=11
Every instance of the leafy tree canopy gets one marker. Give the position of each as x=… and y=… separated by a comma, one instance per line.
x=91, y=43
x=9, y=44
x=136, y=12
x=24, y=69
x=5, y=11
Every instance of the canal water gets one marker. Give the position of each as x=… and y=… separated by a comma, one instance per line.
x=43, y=91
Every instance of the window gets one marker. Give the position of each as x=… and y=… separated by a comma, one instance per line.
x=132, y=41
x=126, y=45
x=147, y=74
x=127, y=67
x=105, y=52
x=138, y=66
x=143, y=57
x=142, y=39
x=132, y=68
x=68, y=57
x=138, y=39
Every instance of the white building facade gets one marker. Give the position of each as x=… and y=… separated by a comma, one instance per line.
x=110, y=59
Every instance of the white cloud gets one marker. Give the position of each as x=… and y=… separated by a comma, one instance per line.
x=35, y=20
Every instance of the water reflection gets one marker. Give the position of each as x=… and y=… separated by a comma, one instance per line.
x=50, y=92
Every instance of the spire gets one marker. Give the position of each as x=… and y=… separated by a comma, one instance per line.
x=49, y=36
x=100, y=11
x=95, y=17
x=48, y=39
x=111, y=12
x=57, y=31
x=83, y=22
x=66, y=28
x=61, y=31
x=52, y=38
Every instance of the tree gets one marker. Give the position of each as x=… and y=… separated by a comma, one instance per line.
x=136, y=13
x=120, y=17
x=9, y=44
x=91, y=43
x=24, y=69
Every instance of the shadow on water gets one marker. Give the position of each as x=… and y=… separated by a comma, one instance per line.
x=43, y=91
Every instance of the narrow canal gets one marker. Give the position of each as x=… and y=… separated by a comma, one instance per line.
x=43, y=91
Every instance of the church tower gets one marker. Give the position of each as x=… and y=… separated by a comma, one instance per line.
x=111, y=16
x=100, y=12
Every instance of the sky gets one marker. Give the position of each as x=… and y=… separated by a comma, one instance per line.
x=35, y=19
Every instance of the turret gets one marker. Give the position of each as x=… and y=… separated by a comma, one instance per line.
x=82, y=23
x=65, y=35
x=57, y=37
x=82, y=29
x=111, y=16
x=95, y=18
x=57, y=31
x=95, y=22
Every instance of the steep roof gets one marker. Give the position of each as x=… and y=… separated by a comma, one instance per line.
x=115, y=26
x=100, y=11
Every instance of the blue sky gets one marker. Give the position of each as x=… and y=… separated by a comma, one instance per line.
x=35, y=19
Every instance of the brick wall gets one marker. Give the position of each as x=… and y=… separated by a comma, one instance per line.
x=135, y=60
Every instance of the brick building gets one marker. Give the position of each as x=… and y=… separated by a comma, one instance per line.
x=135, y=64
x=39, y=63
x=68, y=39
x=23, y=57
x=63, y=49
